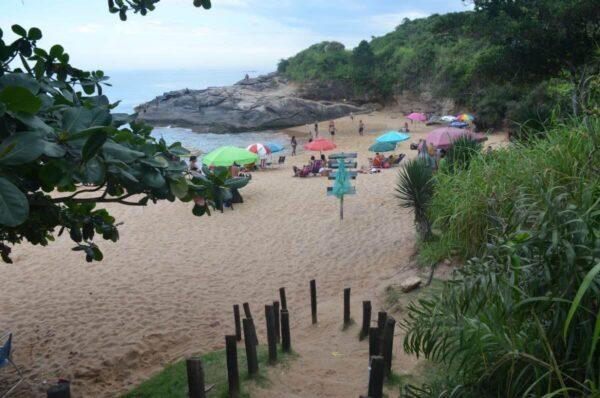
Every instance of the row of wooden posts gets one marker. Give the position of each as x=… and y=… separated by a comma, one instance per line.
x=381, y=339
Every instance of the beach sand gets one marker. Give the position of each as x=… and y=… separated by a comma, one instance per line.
x=166, y=288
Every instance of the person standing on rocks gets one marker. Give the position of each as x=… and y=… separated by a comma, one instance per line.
x=332, y=130
x=294, y=144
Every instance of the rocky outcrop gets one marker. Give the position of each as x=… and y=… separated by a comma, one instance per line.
x=262, y=103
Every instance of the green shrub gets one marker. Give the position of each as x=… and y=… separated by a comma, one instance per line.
x=415, y=189
x=460, y=154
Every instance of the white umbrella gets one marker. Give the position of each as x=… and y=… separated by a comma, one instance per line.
x=448, y=118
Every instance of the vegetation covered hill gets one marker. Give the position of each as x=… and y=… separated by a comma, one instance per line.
x=514, y=60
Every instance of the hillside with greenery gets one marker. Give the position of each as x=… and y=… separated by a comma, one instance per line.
x=506, y=60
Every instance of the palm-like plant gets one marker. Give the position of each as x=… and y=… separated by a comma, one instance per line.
x=415, y=190
x=462, y=151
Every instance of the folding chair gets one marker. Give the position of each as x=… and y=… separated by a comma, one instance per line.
x=5, y=360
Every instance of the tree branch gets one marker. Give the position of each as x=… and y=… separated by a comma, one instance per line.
x=79, y=192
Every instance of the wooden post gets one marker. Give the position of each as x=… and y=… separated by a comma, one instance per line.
x=388, y=344
x=366, y=322
x=251, y=356
x=247, y=310
x=249, y=316
x=376, y=377
x=374, y=343
x=60, y=390
x=238, y=325
x=381, y=319
x=313, y=300
x=270, y=318
x=347, y=306
x=282, y=298
x=195, y=377
x=277, y=323
x=233, y=374
x=286, y=339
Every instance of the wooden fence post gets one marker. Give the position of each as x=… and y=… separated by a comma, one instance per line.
x=195, y=377
x=374, y=343
x=270, y=319
x=381, y=319
x=282, y=298
x=313, y=300
x=249, y=316
x=60, y=390
x=276, y=322
x=233, y=374
x=376, y=377
x=238, y=325
x=388, y=344
x=366, y=322
x=346, y=306
x=251, y=356
x=286, y=339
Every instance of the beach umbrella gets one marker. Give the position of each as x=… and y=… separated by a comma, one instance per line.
x=259, y=149
x=444, y=137
x=382, y=147
x=274, y=147
x=448, y=118
x=392, y=136
x=459, y=125
x=465, y=117
x=341, y=186
x=419, y=117
x=320, y=145
x=228, y=155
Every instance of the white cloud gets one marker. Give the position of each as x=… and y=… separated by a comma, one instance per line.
x=88, y=28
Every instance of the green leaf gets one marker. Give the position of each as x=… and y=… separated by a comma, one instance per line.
x=26, y=147
x=54, y=150
x=120, y=152
x=32, y=121
x=93, y=144
x=93, y=171
x=153, y=178
x=76, y=119
x=179, y=187
x=19, y=30
x=19, y=99
x=20, y=80
x=14, y=208
x=56, y=51
x=34, y=34
x=587, y=281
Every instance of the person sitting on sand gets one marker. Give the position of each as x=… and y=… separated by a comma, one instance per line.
x=235, y=170
x=406, y=130
x=377, y=161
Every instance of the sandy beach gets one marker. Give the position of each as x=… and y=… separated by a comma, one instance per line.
x=166, y=288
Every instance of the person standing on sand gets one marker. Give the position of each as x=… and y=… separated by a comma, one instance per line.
x=332, y=130
x=294, y=144
x=361, y=128
x=352, y=116
x=316, y=130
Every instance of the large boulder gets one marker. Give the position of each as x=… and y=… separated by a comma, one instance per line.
x=262, y=103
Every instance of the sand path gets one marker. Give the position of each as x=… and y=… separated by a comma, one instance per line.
x=166, y=288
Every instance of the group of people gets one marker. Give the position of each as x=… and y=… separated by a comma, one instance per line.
x=383, y=162
x=314, y=167
x=314, y=132
x=431, y=155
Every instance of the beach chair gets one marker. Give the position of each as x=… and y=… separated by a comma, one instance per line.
x=281, y=161
x=5, y=360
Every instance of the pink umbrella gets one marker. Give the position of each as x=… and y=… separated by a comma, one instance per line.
x=319, y=145
x=419, y=117
x=444, y=137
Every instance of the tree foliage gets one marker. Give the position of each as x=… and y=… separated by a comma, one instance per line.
x=487, y=60
x=63, y=151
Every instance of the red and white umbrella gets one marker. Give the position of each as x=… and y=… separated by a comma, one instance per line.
x=259, y=149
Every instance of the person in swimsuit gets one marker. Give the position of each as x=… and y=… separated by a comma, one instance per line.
x=332, y=130
x=361, y=128
x=294, y=144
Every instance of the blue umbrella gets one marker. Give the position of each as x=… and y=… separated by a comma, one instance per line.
x=383, y=147
x=393, y=136
x=274, y=147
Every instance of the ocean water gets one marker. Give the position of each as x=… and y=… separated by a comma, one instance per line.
x=135, y=87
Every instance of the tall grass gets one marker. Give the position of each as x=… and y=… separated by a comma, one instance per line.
x=471, y=204
x=522, y=317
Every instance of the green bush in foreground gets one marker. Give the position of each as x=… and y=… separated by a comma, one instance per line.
x=523, y=318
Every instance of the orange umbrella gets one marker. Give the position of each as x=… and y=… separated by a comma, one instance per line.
x=320, y=145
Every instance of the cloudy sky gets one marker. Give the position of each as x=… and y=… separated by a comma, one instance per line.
x=234, y=33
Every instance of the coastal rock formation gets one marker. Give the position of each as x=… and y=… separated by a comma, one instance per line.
x=265, y=102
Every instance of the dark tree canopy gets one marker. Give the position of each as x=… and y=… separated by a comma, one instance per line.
x=63, y=150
